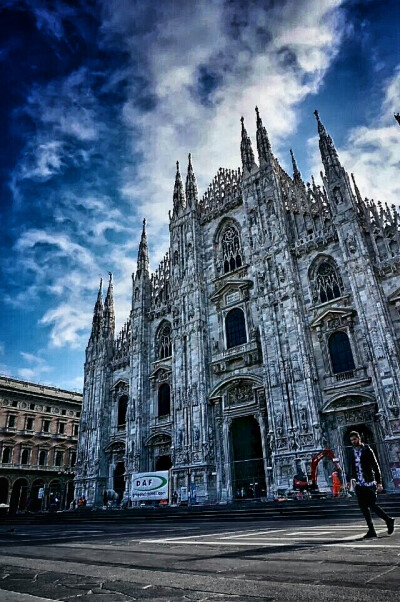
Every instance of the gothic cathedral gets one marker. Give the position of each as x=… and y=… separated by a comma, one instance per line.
x=269, y=331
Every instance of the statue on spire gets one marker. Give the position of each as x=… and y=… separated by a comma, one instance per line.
x=192, y=194
x=179, y=200
x=97, y=314
x=109, y=315
x=263, y=144
x=328, y=151
x=246, y=150
x=143, y=253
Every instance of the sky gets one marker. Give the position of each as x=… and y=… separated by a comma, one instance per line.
x=100, y=98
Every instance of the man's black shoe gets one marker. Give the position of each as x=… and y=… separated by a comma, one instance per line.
x=390, y=526
x=370, y=535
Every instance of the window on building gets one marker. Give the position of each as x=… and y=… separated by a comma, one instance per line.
x=122, y=408
x=76, y=429
x=46, y=426
x=61, y=428
x=29, y=424
x=73, y=459
x=58, y=458
x=164, y=400
x=231, y=250
x=340, y=353
x=11, y=421
x=328, y=283
x=42, y=457
x=32, y=406
x=48, y=409
x=15, y=404
x=235, y=327
x=164, y=342
x=63, y=412
x=25, y=456
x=6, y=455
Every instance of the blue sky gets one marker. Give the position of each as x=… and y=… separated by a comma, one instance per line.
x=100, y=98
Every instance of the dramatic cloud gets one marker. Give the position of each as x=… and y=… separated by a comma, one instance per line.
x=111, y=95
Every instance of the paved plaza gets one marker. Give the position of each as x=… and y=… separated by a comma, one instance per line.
x=190, y=559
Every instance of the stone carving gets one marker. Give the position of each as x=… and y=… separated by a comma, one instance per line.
x=240, y=394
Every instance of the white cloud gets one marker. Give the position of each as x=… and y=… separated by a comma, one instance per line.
x=373, y=153
x=37, y=367
x=274, y=59
x=273, y=56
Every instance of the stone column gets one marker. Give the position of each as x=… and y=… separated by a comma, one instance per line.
x=227, y=453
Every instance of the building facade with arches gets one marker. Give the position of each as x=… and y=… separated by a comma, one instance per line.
x=38, y=445
x=269, y=331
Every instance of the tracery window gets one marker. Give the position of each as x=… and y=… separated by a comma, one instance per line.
x=235, y=327
x=164, y=342
x=328, y=283
x=341, y=353
x=164, y=400
x=231, y=249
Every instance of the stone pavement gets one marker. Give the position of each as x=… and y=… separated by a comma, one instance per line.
x=276, y=561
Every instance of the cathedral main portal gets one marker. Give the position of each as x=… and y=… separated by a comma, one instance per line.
x=248, y=475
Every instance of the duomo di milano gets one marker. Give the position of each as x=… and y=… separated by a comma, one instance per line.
x=269, y=331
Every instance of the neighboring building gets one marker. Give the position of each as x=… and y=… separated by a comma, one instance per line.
x=38, y=439
x=268, y=332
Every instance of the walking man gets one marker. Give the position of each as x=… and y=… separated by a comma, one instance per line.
x=364, y=469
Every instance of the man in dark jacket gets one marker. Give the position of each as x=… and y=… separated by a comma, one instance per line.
x=364, y=469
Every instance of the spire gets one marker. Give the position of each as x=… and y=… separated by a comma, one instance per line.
x=109, y=316
x=191, y=185
x=296, y=173
x=263, y=144
x=356, y=190
x=143, y=253
x=97, y=313
x=329, y=155
x=246, y=150
x=179, y=199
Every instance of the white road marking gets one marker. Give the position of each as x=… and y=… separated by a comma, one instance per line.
x=253, y=533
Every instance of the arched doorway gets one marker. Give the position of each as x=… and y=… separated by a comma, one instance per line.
x=55, y=494
x=159, y=450
x=119, y=479
x=3, y=490
x=163, y=463
x=36, y=495
x=19, y=496
x=248, y=474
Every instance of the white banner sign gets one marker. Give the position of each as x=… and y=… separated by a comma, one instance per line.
x=150, y=486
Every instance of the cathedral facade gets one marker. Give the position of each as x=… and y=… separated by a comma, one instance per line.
x=269, y=331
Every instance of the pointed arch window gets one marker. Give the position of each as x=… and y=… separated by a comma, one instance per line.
x=328, y=283
x=164, y=400
x=235, y=327
x=231, y=249
x=122, y=408
x=340, y=352
x=165, y=342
